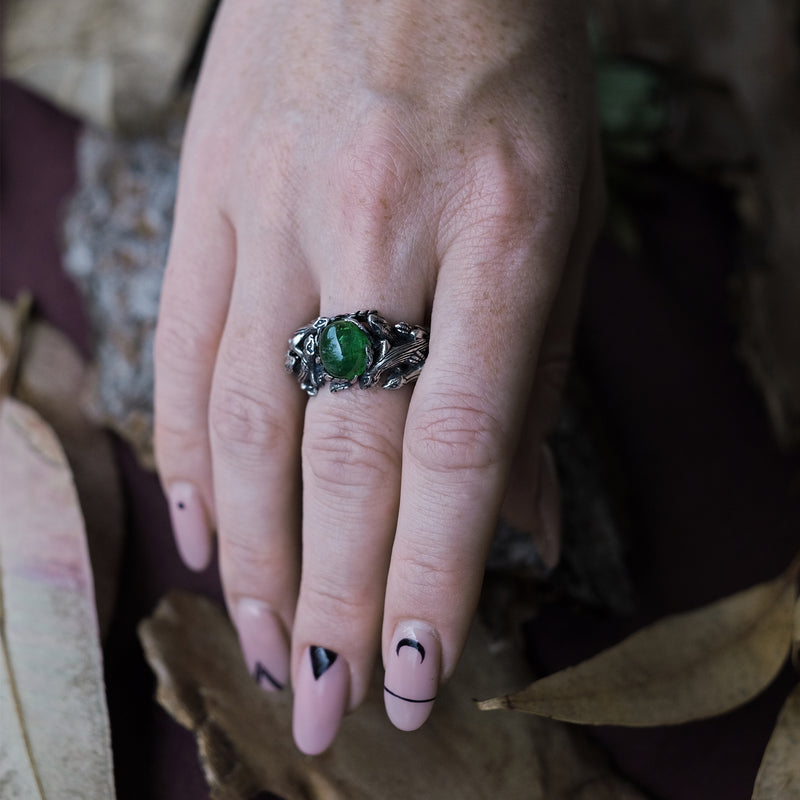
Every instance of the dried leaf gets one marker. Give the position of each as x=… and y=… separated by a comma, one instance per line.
x=52, y=378
x=54, y=739
x=115, y=63
x=779, y=774
x=684, y=667
x=245, y=741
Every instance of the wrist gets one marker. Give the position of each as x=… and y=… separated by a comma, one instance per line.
x=423, y=47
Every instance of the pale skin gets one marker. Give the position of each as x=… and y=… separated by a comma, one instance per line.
x=437, y=162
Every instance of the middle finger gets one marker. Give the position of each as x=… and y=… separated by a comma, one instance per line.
x=372, y=252
x=351, y=462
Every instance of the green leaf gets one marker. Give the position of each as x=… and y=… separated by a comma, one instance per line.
x=629, y=99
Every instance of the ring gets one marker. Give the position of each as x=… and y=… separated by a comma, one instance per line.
x=360, y=348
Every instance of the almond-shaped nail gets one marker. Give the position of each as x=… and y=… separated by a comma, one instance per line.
x=190, y=525
x=412, y=675
x=320, y=699
x=264, y=643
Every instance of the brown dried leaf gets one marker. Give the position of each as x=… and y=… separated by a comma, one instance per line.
x=115, y=63
x=245, y=741
x=684, y=667
x=54, y=738
x=52, y=378
x=779, y=774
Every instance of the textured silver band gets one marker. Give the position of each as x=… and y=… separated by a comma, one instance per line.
x=393, y=355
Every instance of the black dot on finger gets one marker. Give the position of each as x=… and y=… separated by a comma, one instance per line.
x=181, y=505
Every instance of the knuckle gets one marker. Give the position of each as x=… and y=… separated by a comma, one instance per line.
x=240, y=420
x=176, y=439
x=180, y=344
x=513, y=198
x=426, y=571
x=329, y=600
x=501, y=187
x=373, y=176
x=269, y=169
x=458, y=435
x=348, y=457
x=246, y=555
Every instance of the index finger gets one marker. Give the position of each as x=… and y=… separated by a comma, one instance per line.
x=495, y=289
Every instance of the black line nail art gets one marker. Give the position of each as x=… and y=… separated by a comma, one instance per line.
x=262, y=672
x=411, y=643
x=407, y=699
x=321, y=660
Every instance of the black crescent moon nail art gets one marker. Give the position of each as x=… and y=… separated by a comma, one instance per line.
x=411, y=643
x=321, y=660
x=410, y=684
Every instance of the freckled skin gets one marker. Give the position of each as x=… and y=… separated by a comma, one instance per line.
x=437, y=161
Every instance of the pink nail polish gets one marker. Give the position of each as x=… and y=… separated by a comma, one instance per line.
x=320, y=699
x=412, y=675
x=190, y=525
x=264, y=644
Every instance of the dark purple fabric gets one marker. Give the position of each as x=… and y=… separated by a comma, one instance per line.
x=37, y=171
x=715, y=506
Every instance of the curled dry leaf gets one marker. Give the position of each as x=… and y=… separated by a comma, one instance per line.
x=245, y=741
x=54, y=737
x=52, y=378
x=114, y=63
x=779, y=775
x=684, y=667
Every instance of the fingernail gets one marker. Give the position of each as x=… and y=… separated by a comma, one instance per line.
x=320, y=699
x=412, y=675
x=190, y=525
x=264, y=644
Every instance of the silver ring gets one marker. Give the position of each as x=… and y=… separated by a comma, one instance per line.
x=360, y=348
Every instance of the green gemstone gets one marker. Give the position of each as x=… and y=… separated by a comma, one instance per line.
x=343, y=349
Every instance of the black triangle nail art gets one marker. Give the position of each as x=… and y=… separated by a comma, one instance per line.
x=321, y=660
x=262, y=673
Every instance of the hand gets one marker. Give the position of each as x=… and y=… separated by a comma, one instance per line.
x=433, y=161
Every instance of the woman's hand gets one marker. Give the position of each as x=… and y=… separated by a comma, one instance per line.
x=433, y=161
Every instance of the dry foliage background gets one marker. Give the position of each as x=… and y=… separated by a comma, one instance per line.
x=712, y=86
